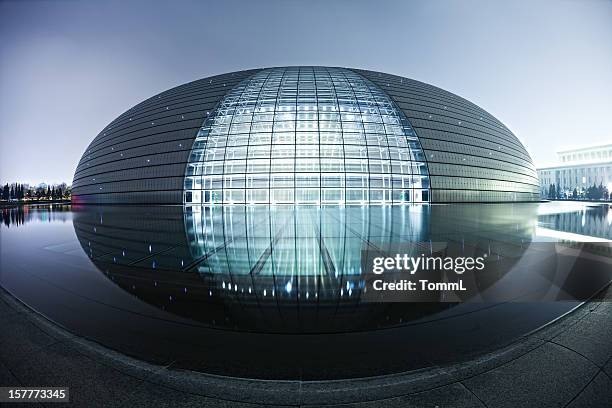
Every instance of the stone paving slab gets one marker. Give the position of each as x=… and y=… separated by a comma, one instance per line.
x=6, y=376
x=604, y=308
x=608, y=368
x=492, y=360
x=364, y=389
x=20, y=338
x=596, y=394
x=6, y=309
x=560, y=325
x=453, y=395
x=548, y=376
x=91, y=383
x=591, y=337
x=153, y=395
x=244, y=390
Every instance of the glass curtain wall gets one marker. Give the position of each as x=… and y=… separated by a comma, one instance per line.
x=306, y=135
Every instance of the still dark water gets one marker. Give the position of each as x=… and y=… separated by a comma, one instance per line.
x=277, y=292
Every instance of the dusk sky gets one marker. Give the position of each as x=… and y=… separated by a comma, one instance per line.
x=544, y=68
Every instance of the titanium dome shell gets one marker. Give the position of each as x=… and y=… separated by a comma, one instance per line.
x=311, y=135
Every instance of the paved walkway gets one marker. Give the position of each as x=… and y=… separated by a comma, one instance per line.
x=567, y=363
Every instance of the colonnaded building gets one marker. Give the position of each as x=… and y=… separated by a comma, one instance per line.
x=305, y=135
x=578, y=169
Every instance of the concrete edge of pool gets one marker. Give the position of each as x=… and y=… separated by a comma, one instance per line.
x=565, y=363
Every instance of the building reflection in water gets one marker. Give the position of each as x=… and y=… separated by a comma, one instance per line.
x=589, y=220
x=284, y=268
x=221, y=279
x=306, y=251
x=23, y=214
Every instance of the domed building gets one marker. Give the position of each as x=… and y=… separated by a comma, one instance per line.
x=305, y=135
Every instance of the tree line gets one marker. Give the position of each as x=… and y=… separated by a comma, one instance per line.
x=594, y=192
x=24, y=192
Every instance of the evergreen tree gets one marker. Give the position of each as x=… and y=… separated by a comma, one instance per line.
x=591, y=192
x=553, y=193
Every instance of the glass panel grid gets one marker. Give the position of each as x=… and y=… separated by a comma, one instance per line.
x=306, y=135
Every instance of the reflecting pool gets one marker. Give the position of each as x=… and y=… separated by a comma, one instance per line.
x=279, y=292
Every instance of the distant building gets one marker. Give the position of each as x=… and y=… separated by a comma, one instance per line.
x=578, y=169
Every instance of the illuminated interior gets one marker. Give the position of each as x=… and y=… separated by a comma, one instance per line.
x=306, y=135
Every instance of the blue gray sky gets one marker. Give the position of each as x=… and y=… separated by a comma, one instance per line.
x=68, y=68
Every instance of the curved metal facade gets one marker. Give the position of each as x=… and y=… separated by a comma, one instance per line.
x=471, y=156
x=151, y=153
x=140, y=157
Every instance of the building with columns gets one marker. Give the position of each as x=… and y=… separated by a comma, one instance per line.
x=578, y=169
